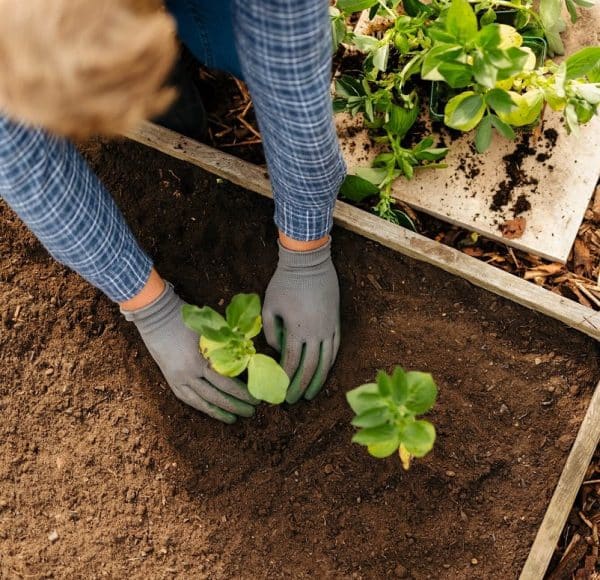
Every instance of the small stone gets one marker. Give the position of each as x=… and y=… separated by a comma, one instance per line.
x=53, y=536
x=537, y=360
x=503, y=409
x=446, y=566
x=451, y=473
x=474, y=561
x=328, y=469
x=400, y=571
x=49, y=371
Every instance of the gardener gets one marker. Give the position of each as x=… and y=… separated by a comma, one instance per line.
x=283, y=51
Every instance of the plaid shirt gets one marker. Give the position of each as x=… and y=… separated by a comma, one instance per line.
x=284, y=50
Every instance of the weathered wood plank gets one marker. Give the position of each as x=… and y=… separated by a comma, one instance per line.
x=416, y=246
x=565, y=493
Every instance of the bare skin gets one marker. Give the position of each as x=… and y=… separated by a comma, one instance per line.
x=155, y=285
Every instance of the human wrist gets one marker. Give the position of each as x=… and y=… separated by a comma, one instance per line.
x=152, y=290
x=302, y=246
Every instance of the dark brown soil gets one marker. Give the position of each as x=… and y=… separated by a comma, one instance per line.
x=95, y=448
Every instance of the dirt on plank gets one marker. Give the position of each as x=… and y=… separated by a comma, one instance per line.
x=104, y=473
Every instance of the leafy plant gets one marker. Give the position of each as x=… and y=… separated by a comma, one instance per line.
x=386, y=414
x=553, y=23
x=227, y=343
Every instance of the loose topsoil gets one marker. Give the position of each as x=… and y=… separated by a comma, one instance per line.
x=104, y=473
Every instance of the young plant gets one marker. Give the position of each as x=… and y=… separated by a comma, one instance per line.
x=386, y=414
x=227, y=343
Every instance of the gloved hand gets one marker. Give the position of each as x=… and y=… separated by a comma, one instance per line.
x=301, y=318
x=174, y=347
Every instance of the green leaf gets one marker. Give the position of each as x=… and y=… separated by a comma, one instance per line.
x=243, y=313
x=338, y=29
x=399, y=386
x=380, y=57
x=401, y=119
x=372, y=417
x=384, y=382
x=415, y=7
x=373, y=174
x=365, y=43
x=364, y=398
x=431, y=154
x=207, y=346
x=589, y=92
x=372, y=435
x=583, y=62
x=584, y=111
x=384, y=448
x=500, y=100
x=357, y=189
x=456, y=74
x=418, y=437
x=350, y=6
x=550, y=12
x=422, y=392
x=267, y=381
x=227, y=363
x=505, y=130
x=438, y=55
x=485, y=73
x=483, y=137
x=464, y=111
x=488, y=18
x=527, y=109
x=348, y=87
x=206, y=322
x=461, y=21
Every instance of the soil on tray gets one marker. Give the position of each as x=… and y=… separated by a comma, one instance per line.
x=103, y=472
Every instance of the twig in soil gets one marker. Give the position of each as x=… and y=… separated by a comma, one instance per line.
x=586, y=521
x=249, y=127
x=242, y=88
x=514, y=258
x=223, y=132
x=588, y=294
x=243, y=143
x=245, y=111
x=591, y=482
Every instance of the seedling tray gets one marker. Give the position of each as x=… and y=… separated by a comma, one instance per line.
x=484, y=193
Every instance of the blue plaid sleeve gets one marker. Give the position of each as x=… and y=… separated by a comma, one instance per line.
x=52, y=189
x=284, y=47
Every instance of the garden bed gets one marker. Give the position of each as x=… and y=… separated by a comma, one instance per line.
x=134, y=483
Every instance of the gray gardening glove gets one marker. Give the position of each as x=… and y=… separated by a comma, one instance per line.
x=301, y=317
x=174, y=347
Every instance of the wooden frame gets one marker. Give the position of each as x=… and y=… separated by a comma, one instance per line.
x=256, y=179
x=416, y=246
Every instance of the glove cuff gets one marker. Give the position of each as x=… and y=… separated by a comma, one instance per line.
x=309, y=259
x=154, y=314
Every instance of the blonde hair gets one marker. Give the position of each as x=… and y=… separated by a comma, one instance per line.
x=83, y=67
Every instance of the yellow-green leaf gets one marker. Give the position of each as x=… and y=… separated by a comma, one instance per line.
x=527, y=110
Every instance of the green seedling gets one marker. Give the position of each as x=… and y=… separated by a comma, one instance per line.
x=386, y=414
x=227, y=343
